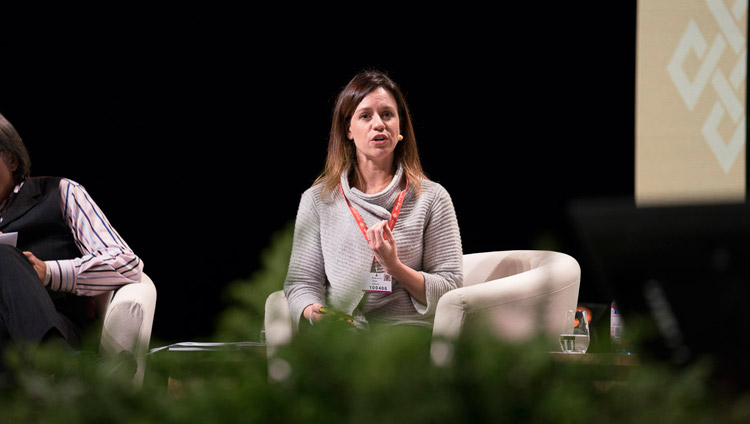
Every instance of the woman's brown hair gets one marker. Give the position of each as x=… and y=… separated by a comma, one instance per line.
x=342, y=152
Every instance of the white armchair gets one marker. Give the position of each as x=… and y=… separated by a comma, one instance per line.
x=517, y=293
x=128, y=319
x=520, y=293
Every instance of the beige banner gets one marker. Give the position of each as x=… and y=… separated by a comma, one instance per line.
x=690, y=102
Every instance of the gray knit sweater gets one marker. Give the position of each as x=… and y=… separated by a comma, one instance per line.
x=330, y=255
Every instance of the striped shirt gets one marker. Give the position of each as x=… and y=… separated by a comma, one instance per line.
x=107, y=262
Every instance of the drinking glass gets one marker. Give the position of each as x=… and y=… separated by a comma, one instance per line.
x=575, y=337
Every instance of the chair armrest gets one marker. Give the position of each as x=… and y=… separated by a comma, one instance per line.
x=518, y=305
x=128, y=322
x=277, y=322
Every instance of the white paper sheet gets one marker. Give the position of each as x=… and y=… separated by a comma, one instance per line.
x=9, y=238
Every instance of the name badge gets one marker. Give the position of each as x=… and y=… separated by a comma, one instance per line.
x=377, y=280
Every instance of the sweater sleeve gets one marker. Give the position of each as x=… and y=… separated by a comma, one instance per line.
x=442, y=261
x=305, y=280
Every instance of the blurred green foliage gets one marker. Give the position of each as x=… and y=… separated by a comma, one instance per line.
x=335, y=375
x=332, y=374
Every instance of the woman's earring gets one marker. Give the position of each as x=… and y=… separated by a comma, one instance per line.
x=400, y=137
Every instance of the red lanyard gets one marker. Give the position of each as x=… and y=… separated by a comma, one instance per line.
x=394, y=213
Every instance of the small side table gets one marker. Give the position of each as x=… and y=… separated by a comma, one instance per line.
x=192, y=363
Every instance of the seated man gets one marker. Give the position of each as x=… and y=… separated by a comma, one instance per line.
x=66, y=252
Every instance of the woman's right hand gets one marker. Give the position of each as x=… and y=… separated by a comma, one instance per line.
x=313, y=310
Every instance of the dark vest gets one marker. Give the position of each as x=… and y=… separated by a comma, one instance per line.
x=36, y=214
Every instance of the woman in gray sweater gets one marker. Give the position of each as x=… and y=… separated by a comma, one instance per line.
x=374, y=238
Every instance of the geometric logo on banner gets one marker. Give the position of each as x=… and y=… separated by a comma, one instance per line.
x=709, y=74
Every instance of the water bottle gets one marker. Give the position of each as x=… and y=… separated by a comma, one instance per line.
x=615, y=327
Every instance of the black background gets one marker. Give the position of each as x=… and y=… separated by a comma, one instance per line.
x=196, y=131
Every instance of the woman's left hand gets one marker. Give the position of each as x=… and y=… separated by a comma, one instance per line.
x=383, y=245
x=39, y=265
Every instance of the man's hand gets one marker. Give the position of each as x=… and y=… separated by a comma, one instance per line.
x=39, y=266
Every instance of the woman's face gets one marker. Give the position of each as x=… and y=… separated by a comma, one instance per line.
x=375, y=127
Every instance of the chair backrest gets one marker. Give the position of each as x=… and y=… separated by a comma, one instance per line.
x=488, y=266
x=128, y=321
